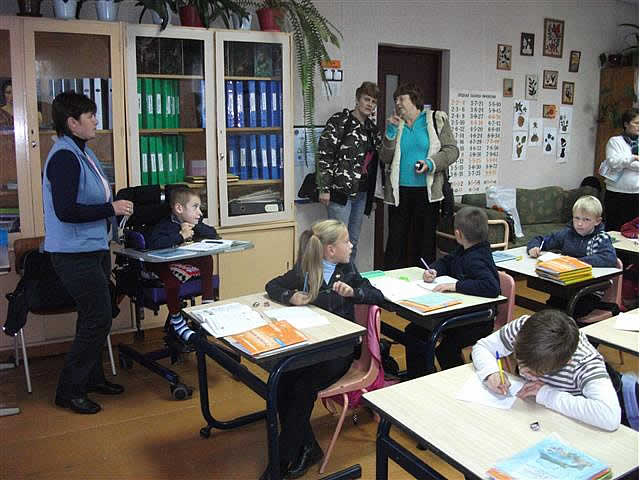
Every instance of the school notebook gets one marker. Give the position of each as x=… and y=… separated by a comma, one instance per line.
x=269, y=338
x=430, y=301
x=550, y=459
x=503, y=257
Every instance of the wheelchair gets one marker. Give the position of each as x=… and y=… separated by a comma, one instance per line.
x=145, y=290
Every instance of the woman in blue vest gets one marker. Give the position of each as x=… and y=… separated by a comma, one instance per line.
x=78, y=210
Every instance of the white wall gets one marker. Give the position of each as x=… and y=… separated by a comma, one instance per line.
x=470, y=30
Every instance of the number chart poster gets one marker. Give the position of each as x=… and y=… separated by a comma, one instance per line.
x=476, y=121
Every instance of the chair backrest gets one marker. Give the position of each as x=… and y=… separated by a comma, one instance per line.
x=22, y=246
x=505, y=310
x=370, y=343
x=614, y=294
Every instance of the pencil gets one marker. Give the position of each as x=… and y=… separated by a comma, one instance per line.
x=500, y=368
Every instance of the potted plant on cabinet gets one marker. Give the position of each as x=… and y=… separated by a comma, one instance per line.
x=202, y=13
x=107, y=10
x=67, y=8
x=311, y=32
x=162, y=8
x=29, y=8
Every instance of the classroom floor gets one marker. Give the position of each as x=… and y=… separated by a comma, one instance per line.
x=144, y=434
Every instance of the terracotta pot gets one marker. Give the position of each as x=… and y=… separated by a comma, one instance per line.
x=270, y=19
x=29, y=8
x=189, y=17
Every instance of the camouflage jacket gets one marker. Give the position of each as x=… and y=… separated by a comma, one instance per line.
x=341, y=152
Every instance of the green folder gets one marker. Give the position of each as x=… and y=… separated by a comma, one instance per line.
x=153, y=160
x=174, y=101
x=177, y=94
x=140, y=101
x=148, y=111
x=173, y=142
x=162, y=161
x=169, y=154
x=180, y=150
x=157, y=103
x=144, y=160
x=166, y=103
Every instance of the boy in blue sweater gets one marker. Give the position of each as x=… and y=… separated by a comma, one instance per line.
x=184, y=224
x=471, y=264
x=585, y=239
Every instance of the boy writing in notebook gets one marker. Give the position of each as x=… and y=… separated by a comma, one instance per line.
x=472, y=267
x=585, y=239
x=562, y=370
x=182, y=225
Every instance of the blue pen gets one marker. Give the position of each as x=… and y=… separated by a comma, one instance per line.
x=306, y=279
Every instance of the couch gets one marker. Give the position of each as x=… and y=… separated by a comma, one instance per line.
x=541, y=210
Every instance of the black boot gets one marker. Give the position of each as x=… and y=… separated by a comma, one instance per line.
x=284, y=471
x=309, y=456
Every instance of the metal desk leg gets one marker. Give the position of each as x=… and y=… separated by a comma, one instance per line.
x=382, y=458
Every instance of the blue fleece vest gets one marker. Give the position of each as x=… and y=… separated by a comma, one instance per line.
x=65, y=237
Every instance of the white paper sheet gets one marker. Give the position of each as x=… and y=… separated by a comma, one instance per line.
x=300, y=317
x=228, y=319
x=395, y=289
x=545, y=257
x=206, y=245
x=627, y=321
x=475, y=391
x=437, y=281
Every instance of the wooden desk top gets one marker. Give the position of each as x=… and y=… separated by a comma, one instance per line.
x=624, y=243
x=527, y=266
x=605, y=332
x=477, y=436
x=338, y=328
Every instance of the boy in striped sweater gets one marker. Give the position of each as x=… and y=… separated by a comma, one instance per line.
x=561, y=369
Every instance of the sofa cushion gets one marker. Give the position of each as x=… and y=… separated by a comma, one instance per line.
x=572, y=195
x=475, y=200
x=540, y=205
x=531, y=231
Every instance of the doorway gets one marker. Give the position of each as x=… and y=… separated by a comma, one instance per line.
x=397, y=65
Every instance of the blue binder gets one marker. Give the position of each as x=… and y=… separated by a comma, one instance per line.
x=230, y=104
x=263, y=104
x=264, y=156
x=203, y=110
x=273, y=155
x=280, y=156
x=243, y=154
x=274, y=120
x=253, y=152
x=251, y=104
x=232, y=155
x=239, y=104
x=279, y=92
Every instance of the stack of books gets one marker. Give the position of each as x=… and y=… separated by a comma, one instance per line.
x=564, y=270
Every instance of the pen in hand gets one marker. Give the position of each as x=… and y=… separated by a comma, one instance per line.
x=503, y=386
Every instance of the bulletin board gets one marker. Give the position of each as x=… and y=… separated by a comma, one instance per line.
x=476, y=121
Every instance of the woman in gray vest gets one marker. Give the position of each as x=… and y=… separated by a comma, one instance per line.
x=78, y=210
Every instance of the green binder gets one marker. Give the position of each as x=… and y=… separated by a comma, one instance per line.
x=168, y=157
x=180, y=150
x=144, y=160
x=162, y=161
x=140, y=101
x=166, y=103
x=157, y=103
x=153, y=160
x=177, y=93
x=174, y=99
x=148, y=110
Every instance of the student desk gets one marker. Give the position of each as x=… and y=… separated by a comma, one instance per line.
x=153, y=256
x=525, y=266
x=605, y=332
x=626, y=248
x=324, y=342
x=473, y=437
x=471, y=310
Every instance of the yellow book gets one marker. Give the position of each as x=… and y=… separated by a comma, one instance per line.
x=563, y=264
x=267, y=338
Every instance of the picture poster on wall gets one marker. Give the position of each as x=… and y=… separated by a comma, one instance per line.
x=550, y=134
x=476, y=121
x=535, y=132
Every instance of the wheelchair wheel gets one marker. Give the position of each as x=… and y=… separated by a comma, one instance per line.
x=180, y=391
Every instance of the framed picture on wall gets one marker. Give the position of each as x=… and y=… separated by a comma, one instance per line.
x=549, y=111
x=550, y=79
x=553, y=37
x=568, y=92
x=526, y=44
x=503, y=60
x=507, y=87
x=574, y=61
x=531, y=86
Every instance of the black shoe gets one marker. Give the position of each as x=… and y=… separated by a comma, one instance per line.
x=79, y=405
x=284, y=471
x=310, y=455
x=106, y=388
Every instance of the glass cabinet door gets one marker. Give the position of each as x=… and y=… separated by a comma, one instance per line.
x=83, y=56
x=168, y=80
x=254, y=127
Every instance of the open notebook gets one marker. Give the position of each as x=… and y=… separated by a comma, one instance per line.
x=416, y=294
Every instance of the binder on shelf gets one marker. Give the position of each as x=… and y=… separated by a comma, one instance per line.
x=201, y=108
x=274, y=120
x=148, y=107
x=144, y=160
x=243, y=154
x=177, y=105
x=170, y=104
x=239, y=104
x=153, y=161
x=162, y=171
x=97, y=97
x=173, y=141
x=251, y=104
x=273, y=155
x=230, y=103
x=180, y=150
x=232, y=155
x=279, y=93
x=139, y=93
x=110, y=103
x=263, y=104
x=166, y=103
x=280, y=156
x=169, y=172
x=253, y=151
x=263, y=152
x=157, y=103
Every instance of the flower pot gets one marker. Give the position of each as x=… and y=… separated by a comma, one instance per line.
x=65, y=10
x=270, y=19
x=189, y=17
x=239, y=23
x=29, y=8
x=107, y=10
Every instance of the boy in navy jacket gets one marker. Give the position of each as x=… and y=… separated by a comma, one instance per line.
x=184, y=224
x=471, y=264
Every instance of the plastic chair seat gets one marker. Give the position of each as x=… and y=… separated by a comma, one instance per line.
x=358, y=376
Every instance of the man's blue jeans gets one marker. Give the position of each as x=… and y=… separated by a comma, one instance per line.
x=351, y=215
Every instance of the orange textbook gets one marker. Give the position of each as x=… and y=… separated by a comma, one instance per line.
x=267, y=338
x=563, y=264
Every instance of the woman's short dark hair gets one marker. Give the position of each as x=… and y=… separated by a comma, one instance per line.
x=367, y=88
x=69, y=104
x=5, y=84
x=628, y=115
x=414, y=92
